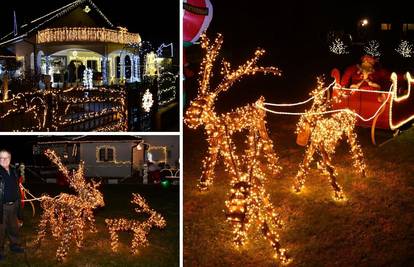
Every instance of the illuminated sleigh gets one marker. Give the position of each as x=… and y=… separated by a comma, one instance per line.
x=387, y=110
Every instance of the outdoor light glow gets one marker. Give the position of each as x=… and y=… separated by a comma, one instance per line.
x=338, y=47
x=86, y=34
x=249, y=204
x=324, y=134
x=68, y=215
x=364, y=22
x=147, y=101
x=405, y=48
x=140, y=229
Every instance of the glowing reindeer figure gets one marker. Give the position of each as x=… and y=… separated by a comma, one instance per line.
x=324, y=134
x=249, y=204
x=219, y=127
x=139, y=228
x=68, y=215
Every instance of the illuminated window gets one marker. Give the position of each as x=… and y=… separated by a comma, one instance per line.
x=385, y=26
x=105, y=154
x=408, y=27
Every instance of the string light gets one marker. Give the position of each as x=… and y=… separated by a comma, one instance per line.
x=166, y=88
x=147, y=101
x=338, y=47
x=68, y=215
x=87, y=78
x=405, y=48
x=323, y=135
x=372, y=48
x=77, y=34
x=139, y=228
x=249, y=204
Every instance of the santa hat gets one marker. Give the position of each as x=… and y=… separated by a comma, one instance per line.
x=369, y=59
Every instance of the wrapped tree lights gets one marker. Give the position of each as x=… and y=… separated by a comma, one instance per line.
x=139, y=228
x=219, y=128
x=324, y=134
x=249, y=204
x=68, y=215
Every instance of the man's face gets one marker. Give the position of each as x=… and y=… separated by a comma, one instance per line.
x=5, y=159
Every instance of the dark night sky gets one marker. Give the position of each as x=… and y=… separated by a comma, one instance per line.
x=155, y=21
x=293, y=33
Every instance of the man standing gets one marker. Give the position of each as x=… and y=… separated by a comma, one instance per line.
x=10, y=207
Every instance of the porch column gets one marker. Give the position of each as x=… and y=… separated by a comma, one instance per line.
x=122, y=65
x=104, y=68
x=136, y=73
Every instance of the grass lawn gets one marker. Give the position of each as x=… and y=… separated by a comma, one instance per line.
x=375, y=227
x=163, y=249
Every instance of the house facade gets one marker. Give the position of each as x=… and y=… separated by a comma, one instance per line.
x=76, y=36
x=111, y=158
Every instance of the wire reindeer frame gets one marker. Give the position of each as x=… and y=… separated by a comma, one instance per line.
x=68, y=215
x=202, y=111
x=249, y=204
x=324, y=134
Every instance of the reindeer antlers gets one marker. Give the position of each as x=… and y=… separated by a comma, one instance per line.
x=230, y=76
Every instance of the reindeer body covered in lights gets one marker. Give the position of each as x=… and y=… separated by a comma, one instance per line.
x=67, y=214
x=139, y=228
x=248, y=200
x=324, y=134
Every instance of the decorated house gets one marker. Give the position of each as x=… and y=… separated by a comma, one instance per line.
x=111, y=158
x=60, y=42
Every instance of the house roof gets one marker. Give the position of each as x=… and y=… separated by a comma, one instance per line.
x=27, y=29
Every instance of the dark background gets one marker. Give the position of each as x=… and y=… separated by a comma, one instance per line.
x=294, y=35
x=155, y=21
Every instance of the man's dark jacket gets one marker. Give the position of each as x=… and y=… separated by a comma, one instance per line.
x=13, y=173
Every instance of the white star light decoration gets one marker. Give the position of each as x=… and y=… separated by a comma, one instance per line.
x=147, y=101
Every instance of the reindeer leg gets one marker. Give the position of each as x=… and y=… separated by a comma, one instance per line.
x=330, y=170
x=63, y=248
x=356, y=151
x=42, y=228
x=280, y=253
x=268, y=151
x=304, y=168
x=209, y=162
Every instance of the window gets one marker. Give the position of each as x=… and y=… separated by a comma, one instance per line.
x=105, y=154
x=408, y=27
x=385, y=26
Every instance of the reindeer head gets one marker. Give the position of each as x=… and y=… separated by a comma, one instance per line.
x=88, y=192
x=201, y=110
x=91, y=194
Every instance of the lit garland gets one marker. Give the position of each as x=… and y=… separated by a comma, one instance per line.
x=86, y=34
x=166, y=88
x=68, y=215
x=372, y=48
x=249, y=203
x=87, y=78
x=147, y=101
x=405, y=49
x=324, y=135
x=63, y=101
x=164, y=152
x=139, y=228
x=338, y=47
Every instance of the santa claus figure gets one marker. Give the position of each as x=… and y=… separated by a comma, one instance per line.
x=365, y=76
